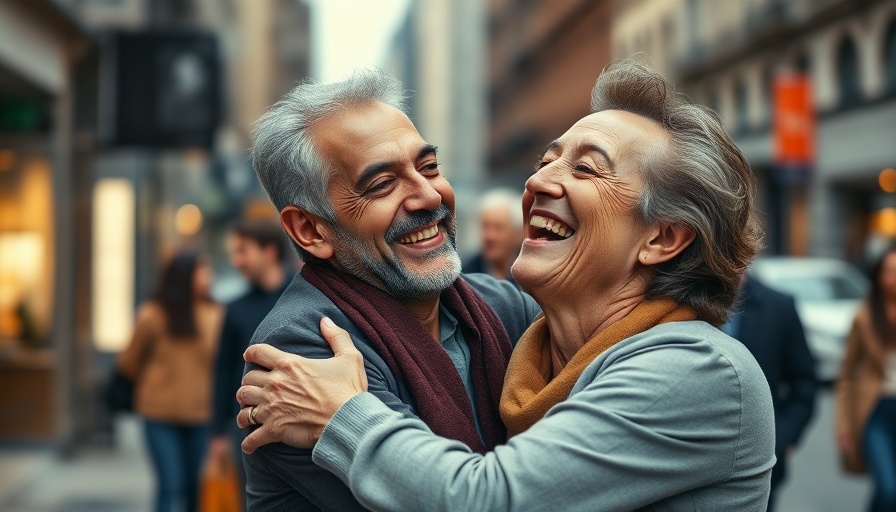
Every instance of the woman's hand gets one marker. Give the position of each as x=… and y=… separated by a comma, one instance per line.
x=297, y=397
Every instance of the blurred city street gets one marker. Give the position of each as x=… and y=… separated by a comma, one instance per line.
x=815, y=482
x=97, y=479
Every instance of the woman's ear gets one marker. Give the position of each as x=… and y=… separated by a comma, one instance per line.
x=666, y=242
x=307, y=230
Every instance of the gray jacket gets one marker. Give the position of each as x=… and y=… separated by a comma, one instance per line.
x=280, y=477
x=678, y=418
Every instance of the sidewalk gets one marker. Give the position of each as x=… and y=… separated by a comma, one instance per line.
x=98, y=479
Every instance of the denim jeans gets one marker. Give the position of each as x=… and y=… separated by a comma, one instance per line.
x=177, y=453
x=879, y=444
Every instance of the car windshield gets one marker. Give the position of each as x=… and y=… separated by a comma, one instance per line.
x=820, y=288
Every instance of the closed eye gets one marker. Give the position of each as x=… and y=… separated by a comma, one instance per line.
x=430, y=169
x=379, y=186
x=540, y=164
x=586, y=169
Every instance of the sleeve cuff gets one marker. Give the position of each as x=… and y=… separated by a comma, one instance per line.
x=340, y=439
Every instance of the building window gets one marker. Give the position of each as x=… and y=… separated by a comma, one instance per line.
x=848, y=73
x=768, y=94
x=890, y=58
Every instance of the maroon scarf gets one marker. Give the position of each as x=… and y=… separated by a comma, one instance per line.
x=419, y=361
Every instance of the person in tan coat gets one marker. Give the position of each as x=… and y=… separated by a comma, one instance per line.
x=866, y=388
x=170, y=359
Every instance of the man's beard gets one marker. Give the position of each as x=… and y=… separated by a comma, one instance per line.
x=401, y=283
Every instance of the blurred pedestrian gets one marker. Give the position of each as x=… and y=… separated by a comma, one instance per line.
x=501, y=221
x=866, y=388
x=767, y=323
x=170, y=359
x=257, y=250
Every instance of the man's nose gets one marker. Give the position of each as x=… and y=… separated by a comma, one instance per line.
x=423, y=195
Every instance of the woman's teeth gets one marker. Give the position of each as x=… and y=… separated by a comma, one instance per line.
x=423, y=234
x=554, y=226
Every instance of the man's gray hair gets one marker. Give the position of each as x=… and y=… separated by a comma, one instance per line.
x=284, y=155
x=701, y=181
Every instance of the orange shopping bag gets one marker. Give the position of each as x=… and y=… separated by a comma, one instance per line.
x=220, y=486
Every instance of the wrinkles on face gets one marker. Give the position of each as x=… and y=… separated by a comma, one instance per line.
x=349, y=204
x=595, y=170
x=386, y=180
x=615, y=198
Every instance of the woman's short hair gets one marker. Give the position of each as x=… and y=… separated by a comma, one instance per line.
x=702, y=181
x=288, y=164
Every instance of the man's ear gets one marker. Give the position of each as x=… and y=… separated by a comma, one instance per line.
x=666, y=242
x=307, y=230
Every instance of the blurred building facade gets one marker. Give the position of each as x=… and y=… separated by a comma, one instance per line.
x=729, y=55
x=44, y=89
x=543, y=60
x=91, y=216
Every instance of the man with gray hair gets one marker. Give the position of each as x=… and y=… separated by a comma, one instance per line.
x=501, y=229
x=361, y=195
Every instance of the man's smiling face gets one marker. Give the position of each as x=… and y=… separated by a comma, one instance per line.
x=395, y=224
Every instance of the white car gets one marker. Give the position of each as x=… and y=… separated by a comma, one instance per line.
x=827, y=293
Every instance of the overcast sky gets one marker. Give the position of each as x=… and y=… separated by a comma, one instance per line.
x=347, y=34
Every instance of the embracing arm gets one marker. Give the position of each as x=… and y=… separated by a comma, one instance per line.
x=281, y=477
x=654, y=425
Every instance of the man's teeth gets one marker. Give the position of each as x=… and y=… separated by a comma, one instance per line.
x=554, y=226
x=423, y=234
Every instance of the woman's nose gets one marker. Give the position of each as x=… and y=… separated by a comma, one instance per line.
x=544, y=181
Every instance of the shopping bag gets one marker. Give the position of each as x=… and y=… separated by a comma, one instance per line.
x=119, y=392
x=220, y=490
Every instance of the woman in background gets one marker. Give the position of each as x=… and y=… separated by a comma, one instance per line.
x=866, y=388
x=170, y=359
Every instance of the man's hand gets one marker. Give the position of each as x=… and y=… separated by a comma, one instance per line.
x=296, y=397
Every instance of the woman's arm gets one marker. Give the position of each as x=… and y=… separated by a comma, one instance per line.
x=132, y=359
x=654, y=425
x=845, y=388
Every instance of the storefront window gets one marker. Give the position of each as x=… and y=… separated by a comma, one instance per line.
x=26, y=238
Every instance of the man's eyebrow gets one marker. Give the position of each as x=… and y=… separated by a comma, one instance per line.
x=427, y=150
x=597, y=149
x=373, y=169
x=370, y=171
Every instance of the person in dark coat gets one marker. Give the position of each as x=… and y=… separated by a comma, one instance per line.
x=767, y=323
x=258, y=251
x=501, y=229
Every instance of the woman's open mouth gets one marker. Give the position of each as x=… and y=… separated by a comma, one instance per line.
x=544, y=228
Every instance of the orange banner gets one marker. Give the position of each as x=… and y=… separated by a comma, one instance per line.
x=794, y=120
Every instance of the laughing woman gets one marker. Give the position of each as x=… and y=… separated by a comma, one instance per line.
x=623, y=395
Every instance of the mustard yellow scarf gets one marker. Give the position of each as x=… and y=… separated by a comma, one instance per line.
x=529, y=391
